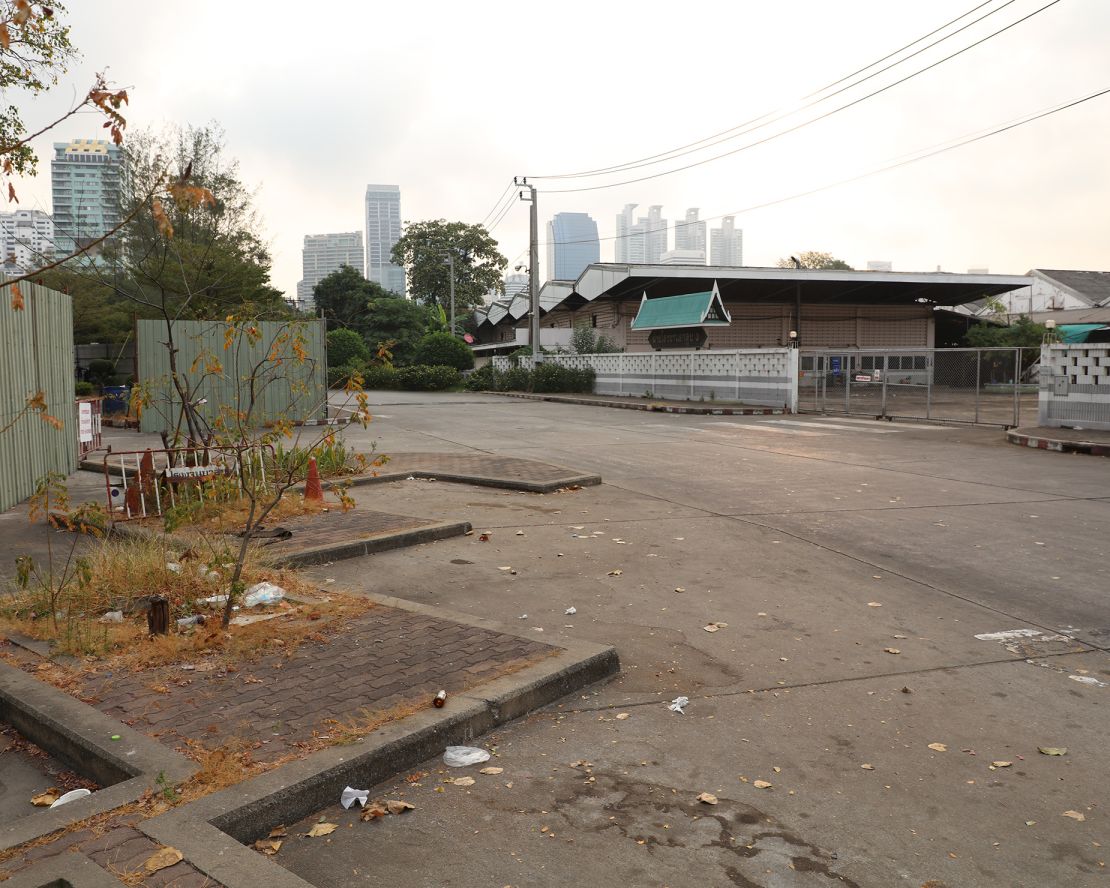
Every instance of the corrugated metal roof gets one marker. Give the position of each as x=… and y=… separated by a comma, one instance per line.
x=1093, y=287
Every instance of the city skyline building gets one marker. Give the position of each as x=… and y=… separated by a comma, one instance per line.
x=572, y=244
x=726, y=244
x=643, y=240
x=26, y=240
x=86, y=182
x=515, y=284
x=689, y=235
x=683, y=257
x=323, y=254
x=879, y=265
x=383, y=230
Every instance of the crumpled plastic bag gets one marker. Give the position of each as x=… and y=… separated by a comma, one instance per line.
x=461, y=756
x=679, y=704
x=263, y=593
x=351, y=795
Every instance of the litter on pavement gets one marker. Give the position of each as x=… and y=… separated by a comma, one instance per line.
x=263, y=593
x=351, y=795
x=679, y=704
x=72, y=796
x=461, y=756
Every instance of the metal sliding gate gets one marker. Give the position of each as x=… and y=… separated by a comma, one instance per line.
x=981, y=386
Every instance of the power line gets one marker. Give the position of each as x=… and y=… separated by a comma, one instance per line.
x=901, y=160
x=497, y=205
x=805, y=123
x=746, y=125
x=504, y=213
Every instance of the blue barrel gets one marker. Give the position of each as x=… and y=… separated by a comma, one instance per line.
x=116, y=399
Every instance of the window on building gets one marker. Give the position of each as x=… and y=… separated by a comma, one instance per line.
x=593, y=320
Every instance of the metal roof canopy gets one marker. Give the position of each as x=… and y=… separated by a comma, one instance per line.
x=687, y=310
x=781, y=284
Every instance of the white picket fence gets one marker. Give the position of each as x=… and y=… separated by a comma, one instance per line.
x=764, y=376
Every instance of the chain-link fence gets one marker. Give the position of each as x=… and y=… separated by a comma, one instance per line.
x=984, y=386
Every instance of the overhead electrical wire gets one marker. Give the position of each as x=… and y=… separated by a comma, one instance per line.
x=780, y=113
x=497, y=205
x=804, y=123
x=894, y=163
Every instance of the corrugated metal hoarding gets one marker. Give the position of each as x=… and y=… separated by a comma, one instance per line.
x=36, y=354
x=195, y=340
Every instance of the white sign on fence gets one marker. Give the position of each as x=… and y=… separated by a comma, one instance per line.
x=84, y=421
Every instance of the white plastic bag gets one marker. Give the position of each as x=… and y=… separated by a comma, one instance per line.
x=679, y=704
x=263, y=593
x=461, y=756
x=72, y=796
x=351, y=795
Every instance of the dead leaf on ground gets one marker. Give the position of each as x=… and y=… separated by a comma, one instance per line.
x=46, y=798
x=707, y=798
x=938, y=747
x=1001, y=764
x=1052, y=750
x=463, y=781
x=621, y=716
x=396, y=806
x=491, y=771
x=714, y=626
x=891, y=651
x=269, y=847
x=679, y=589
x=616, y=573
x=162, y=858
x=873, y=604
x=867, y=767
x=761, y=784
x=1075, y=815
x=373, y=811
x=279, y=832
x=322, y=829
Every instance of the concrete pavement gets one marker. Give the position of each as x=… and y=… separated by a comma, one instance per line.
x=790, y=533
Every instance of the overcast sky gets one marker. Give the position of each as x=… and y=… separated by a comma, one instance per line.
x=450, y=100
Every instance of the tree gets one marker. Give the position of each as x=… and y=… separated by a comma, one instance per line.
x=346, y=347
x=443, y=349
x=343, y=296
x=393, y=319
x=813, y=259
x=479, y=266
x=1022, y=333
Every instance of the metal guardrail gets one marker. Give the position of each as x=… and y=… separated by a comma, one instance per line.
x=979, y=386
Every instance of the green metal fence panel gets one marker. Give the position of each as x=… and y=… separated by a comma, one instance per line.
x=299, y=392
x=36, y=354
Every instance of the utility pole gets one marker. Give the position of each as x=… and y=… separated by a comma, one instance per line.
x=533, y=268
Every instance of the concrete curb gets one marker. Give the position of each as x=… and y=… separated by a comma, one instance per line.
x=80, y=736
x=69, y=870
x=381, y=543
x=451, y=477
x=650, y=406
x=1040, y=442
x=213, y=833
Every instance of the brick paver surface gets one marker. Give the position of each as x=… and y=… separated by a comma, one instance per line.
x=383, y=660
x=336, y=527
x=480, y=464
x=120, y=849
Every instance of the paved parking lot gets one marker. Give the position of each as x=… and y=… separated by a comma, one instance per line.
x=849, y=566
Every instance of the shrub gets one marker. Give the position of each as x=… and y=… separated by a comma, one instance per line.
x=379, y=376
x=482, y=379
x=444, y=350
x=425, y=378
x=346, y=347
x=338, y=376
x=81, y=388
x=546, y=378
x=102, y=372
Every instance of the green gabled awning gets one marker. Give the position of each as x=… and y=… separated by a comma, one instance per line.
x=687, y=310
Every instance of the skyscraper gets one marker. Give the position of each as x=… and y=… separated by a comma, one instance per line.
x=325, y=253
x=572, y=244
x=383, y=230
x=644, y=240
x=85, y=182
x=26, y=240
x=726, y=244
x=690, y=234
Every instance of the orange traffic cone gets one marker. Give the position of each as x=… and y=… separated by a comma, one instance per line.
x=312, y=488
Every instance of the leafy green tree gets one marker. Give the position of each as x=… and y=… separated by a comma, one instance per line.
x=400, y=321
x=1022, y=333
x=423, y=250
x=343, y=298
x=814, y=259
x=346, y=347
x=443, y=349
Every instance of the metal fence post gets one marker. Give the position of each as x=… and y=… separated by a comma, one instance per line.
x=886, y=372
x=691, y=376
x=978, y=366
x=1017, y=386
x=848, y=384
x=930, y=369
